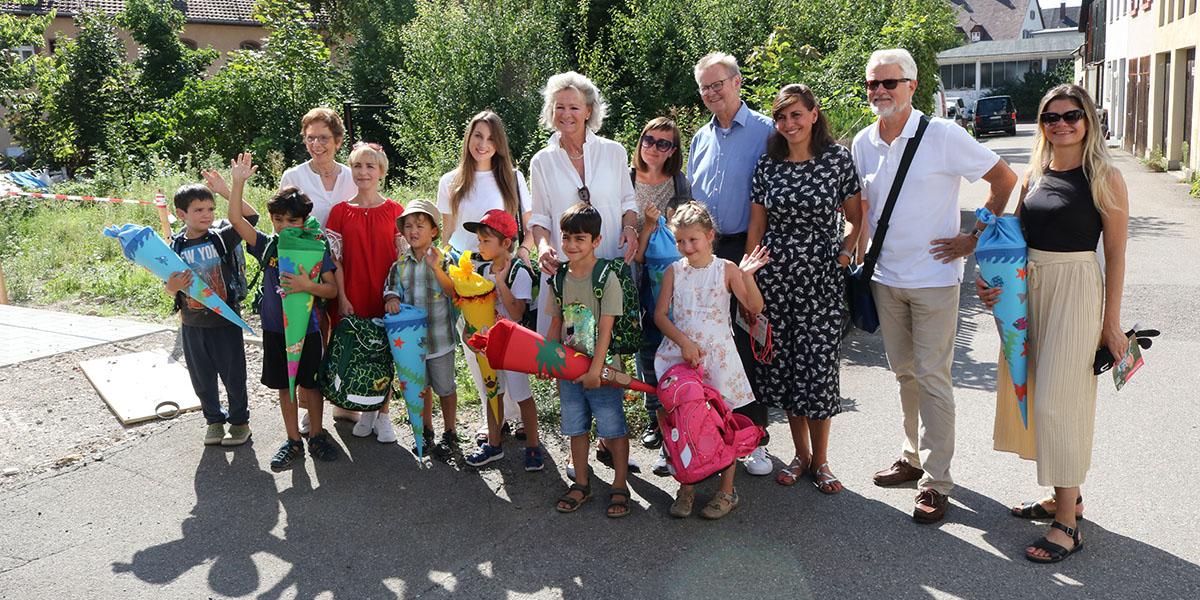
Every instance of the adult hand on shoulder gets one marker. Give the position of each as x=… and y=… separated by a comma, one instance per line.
x=548, y=259
x=949, y=249
x=987, y=294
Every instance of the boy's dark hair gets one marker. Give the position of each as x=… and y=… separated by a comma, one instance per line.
x=491, y=232
x=186, y=195
x=290, y=201
x=581, y=218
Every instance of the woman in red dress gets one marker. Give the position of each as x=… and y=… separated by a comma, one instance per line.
x=363, y=241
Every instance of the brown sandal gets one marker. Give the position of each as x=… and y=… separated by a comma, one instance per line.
x=720, y=505
x=682, y=507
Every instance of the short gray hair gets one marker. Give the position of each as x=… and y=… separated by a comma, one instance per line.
x=580, y=83
x=895, y=56
x=717, y=58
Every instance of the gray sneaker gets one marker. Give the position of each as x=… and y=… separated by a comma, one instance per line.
x=214, y=434
x=238, y=434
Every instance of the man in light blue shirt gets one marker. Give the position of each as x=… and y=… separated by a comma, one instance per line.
x=721, y=165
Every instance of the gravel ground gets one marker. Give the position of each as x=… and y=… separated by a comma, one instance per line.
x=53, y=417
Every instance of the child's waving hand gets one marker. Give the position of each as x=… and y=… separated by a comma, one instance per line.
x=754, y=261
x=242, y=168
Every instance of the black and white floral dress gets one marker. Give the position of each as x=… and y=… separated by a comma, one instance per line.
x=802, y=282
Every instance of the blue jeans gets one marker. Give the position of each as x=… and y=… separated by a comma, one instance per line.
x=579, y=405
x=217, y=351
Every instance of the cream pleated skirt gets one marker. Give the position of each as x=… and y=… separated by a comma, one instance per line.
x=1066, y=303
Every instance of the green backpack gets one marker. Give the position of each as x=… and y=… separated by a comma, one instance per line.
x=627, y=328
x=357, y=367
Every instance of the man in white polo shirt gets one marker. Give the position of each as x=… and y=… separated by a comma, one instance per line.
x=920, y=268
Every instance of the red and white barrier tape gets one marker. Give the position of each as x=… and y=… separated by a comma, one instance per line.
x=159, y=199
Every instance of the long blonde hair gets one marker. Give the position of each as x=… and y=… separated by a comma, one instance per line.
x=502, y=167
x=1097, y=162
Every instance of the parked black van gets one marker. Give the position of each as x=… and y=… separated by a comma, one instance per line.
x=995, y=113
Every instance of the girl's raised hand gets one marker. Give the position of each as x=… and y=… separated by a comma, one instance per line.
x=242, y=168
x=652, y=213
x=754, y=261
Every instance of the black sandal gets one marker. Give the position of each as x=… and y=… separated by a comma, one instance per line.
x=1035, y=510
x=573, y=504
x=626, y=503
x=1056, y=551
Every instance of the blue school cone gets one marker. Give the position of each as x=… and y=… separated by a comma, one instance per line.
x=1002, y=263
x=661, y=252
x=406, y=334
x=148, y=250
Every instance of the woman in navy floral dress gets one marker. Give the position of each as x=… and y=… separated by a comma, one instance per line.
x=802, y=187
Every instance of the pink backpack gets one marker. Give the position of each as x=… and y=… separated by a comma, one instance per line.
x=700, y=434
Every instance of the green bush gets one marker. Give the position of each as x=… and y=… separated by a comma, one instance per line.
x=463, y=57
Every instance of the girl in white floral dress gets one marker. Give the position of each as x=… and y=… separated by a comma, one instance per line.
x=695, y=294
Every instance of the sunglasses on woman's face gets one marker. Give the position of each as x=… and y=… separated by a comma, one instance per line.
x=1071, y=117
x=661, y=145
x=888, y=84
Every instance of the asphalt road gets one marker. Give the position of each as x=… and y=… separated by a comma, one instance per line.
x=167, y=518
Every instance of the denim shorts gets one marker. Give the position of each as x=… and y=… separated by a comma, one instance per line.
x=580, y=405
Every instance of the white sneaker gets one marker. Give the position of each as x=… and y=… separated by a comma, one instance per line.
x=304, y=425
x=366, y=424
x=758, y=463
x=385, y=431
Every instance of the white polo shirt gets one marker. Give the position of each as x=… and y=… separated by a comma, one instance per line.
x=927, y=208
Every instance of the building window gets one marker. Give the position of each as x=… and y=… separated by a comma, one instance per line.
x=975, y=36
x=25, y=53
x=252, y=45
x=1032, y=15
x=191, y=44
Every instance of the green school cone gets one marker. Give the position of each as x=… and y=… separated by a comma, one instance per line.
x=300, y=252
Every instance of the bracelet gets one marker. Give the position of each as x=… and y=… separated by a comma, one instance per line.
x=847, y=255
x=630, y=227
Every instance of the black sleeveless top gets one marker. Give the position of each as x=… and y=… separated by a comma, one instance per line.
x=1059, y=216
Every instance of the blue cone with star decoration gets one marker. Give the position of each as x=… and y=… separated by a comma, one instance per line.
x=406, y=334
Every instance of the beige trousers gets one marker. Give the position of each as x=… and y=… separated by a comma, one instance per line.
x=1066, y=306
x=918, y=328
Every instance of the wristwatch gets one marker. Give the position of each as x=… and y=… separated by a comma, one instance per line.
x=976, y=233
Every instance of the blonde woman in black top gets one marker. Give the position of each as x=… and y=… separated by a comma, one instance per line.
x=1069, y=196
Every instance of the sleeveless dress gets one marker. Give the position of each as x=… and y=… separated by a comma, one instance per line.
x=364, y=240
x=700, y=309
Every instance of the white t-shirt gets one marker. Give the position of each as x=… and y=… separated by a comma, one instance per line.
x=927, y=208
x=323, y=200
x=521, y=288
x=483, y=196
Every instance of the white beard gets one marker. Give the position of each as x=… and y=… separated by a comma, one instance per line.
x=887, y=112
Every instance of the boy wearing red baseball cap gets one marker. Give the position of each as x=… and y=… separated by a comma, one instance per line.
x=514, y=286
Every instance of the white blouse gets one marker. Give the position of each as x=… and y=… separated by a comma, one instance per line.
x=554, y=184
x=483, y=196
x=323, y=200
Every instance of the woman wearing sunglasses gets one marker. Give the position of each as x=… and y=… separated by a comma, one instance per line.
x=579, y=166
x=659, y=186
x=1070, y=195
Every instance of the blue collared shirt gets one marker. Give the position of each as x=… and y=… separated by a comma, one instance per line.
x=721, y=166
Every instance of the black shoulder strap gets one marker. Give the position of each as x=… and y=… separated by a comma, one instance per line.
x=633, y=176
x=681, y=186
x=868, y=267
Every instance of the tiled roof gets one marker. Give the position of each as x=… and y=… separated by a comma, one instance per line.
x=1057, y=44
x=205, y=11
x=1060, y=16
x=1001, y=19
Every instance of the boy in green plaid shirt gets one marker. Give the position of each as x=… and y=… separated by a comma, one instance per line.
x=419, y=277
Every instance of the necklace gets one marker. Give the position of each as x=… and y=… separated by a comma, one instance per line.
x=574, y=156
x=330, y=173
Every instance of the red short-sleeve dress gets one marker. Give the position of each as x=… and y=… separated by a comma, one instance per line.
x=364, y=240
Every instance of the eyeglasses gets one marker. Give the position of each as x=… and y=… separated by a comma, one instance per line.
x=888, y=84
x=312, y=139
x=715, y=86
x=585, y=195
x=660, y=144
x=371, y=145
x=1071, y=117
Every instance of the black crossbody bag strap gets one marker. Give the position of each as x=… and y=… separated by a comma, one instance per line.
x=868, y=267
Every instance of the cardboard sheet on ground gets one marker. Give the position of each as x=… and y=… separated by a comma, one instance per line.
x=134, y=384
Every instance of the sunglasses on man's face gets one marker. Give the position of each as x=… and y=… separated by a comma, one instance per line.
x=1071, y=117
x=660, y=144
x=888, y=84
